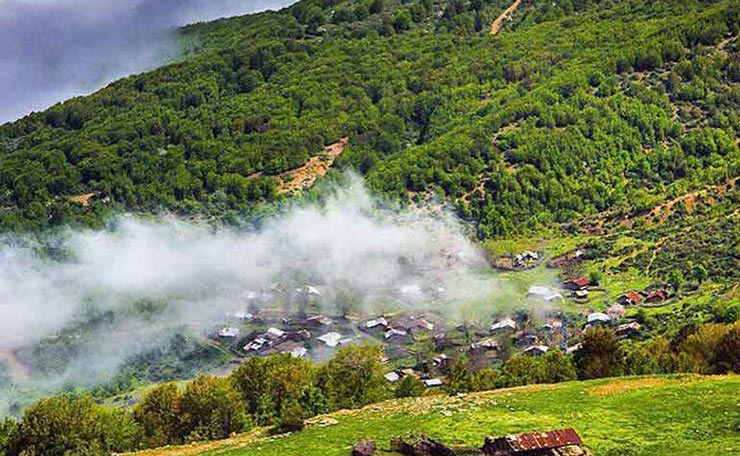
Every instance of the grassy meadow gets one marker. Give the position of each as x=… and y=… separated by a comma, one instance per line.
x=650, y=416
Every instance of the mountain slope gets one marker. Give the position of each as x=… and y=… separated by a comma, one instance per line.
x=590, y=106
x=687, y=415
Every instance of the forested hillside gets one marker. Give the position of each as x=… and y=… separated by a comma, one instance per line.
x=576, y=107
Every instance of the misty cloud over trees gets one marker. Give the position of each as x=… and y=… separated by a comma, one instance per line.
x=55, y=49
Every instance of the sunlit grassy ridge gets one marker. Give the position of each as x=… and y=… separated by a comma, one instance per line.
x=678, y=415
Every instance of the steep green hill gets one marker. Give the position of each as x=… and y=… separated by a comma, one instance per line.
x=653, y=416
x=575, y=107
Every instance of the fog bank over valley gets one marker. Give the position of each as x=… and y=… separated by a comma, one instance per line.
x=118, y=292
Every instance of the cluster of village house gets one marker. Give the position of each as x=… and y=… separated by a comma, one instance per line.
x=310, y=335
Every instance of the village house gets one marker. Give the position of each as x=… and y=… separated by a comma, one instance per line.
x=580, y=294
x=598, y=318
x=503, y=326
x=526, y=259
x=441, y=341
x=318, y=321
x=240, y=315
x=272, y=337
x=442, y=362
x=295, y=349
x=259, y=343
x=379, y=323
x=536, y=350
x=392, y=377
x=627, y=330
x=552, y=443
x=333, y=339
x=544, y=293
x=572, y=349
x=485, y=344
x=275, y=334
x=228, y=332
x=656, y=296
x=433, y=382
x=525, y=338
x=394, y=335
x=410, y=372
x=616, y=310
x=630, y=298
x=411, y=324
x=577, y=284
x=300, y=335
x=552, y=326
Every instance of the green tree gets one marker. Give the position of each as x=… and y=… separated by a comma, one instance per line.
x=212, y=409
x=266, y=385
x=698, y=352
x=459, y=379
x=728, y=351
x=600, y=355
x=159, y=413
x=520, y=370
x=353, y=377
x=69, y=424
x=409, y=386
x=486, y=379
x=555, y=367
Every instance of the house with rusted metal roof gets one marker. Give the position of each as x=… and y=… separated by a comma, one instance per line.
x=551, y=443
x=579, y=283
x=630, y=298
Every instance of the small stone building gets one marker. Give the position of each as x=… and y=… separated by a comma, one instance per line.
x=561, y=442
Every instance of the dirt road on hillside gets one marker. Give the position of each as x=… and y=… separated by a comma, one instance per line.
x=496, y=26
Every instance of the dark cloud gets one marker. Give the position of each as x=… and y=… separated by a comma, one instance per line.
x=51, y=50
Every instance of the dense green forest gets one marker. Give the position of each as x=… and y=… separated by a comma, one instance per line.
x=576, y=107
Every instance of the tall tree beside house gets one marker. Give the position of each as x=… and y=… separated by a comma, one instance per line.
x=519, y=370
x=353, y=377
x=556, y=367
x=459, y=379
x=409, y=386
x=267, y=385
x=600, y=355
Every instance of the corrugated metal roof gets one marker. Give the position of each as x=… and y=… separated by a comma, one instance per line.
x=544, y=440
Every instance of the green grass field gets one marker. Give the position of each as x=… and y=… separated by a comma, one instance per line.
x=671, y=416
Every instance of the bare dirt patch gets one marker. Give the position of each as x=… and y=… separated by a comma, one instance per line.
x=496, y=26
x=623, y=385
x=299, y=179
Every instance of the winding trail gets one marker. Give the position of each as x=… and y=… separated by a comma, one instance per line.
x=496, y=26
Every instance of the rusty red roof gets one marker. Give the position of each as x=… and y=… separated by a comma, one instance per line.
x=659, y=294
x=544, y=440
x=581, y=282
x=633, y=296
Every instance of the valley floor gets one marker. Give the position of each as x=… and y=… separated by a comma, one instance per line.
x=674, y=415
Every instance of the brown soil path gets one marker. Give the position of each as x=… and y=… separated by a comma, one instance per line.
x=496, y=26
